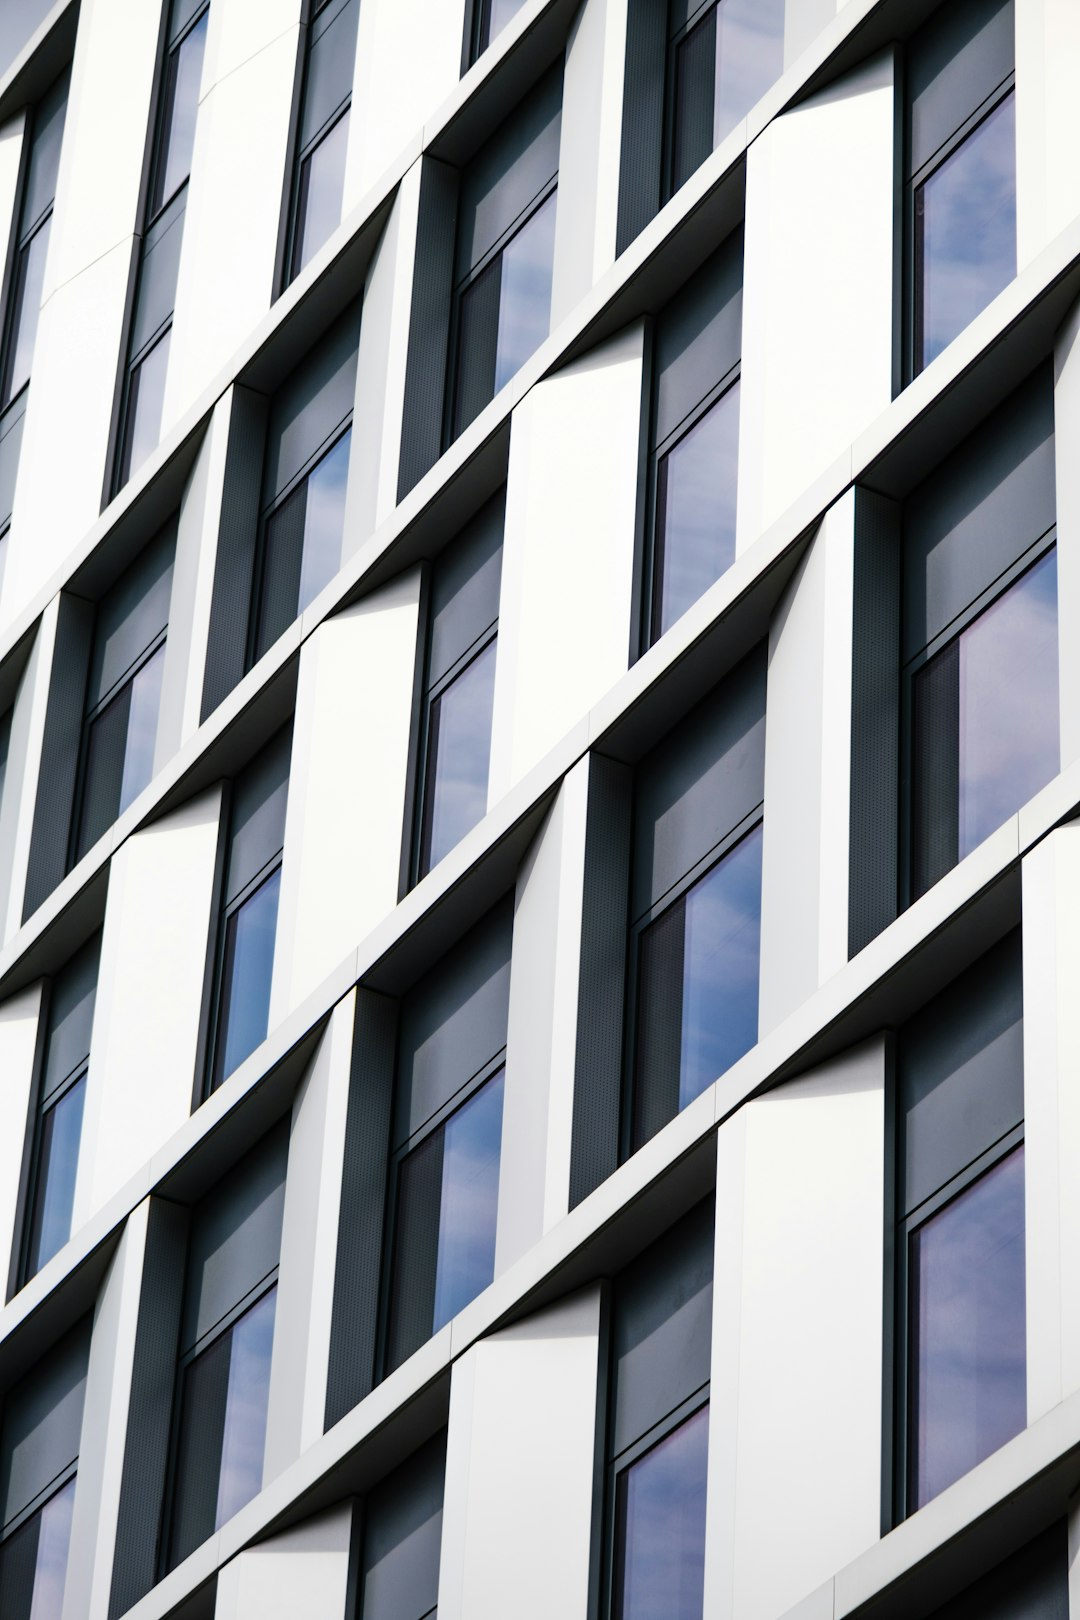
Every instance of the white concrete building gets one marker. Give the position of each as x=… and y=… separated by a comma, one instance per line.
x=540, y=809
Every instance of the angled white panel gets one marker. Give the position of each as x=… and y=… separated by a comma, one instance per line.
x=568, y=553
x=1047, y=122
x=149, y=997
x=300, y=1571
x=19, y=1016
x=519, y=1468
x=795, y=1424
x=408, y=60
x=817, y=351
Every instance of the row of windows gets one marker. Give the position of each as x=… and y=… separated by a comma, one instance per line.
x=957, y=1105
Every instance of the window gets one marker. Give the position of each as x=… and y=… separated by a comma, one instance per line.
x=226, y=1345
x=306, y=471
x=694, y=443
x=399, y=1570
x=960, y=1227
x=695, y=901
x=459, y=686
x=960, y=171
x=505, y=253
x=143, y=389
x=44, y=135
x=980, y=635
x=318, y=180
x=39, y=1454
x=723, y=57
x=658, y=1426
x=245, y=954
x=447, y=1136
x=489, y=18
x=57, y=1124
x=123, y=696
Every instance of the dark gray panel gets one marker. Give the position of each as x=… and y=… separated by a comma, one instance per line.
x=642, y=120
x=133, y=613
x=11, y=426
x=429, y=324
x=465, y=588
x=354, y=1324
x=226, y=657
x=594, y=1149
x=257, y=820
x=979, y=511
x=699, y=337
x=331, y=63
x=402, y=1533
x=43, y=1423
x=962, y=55
x=158, y=272
x=146, y=1450
x=453, y=1021
x=507, y=173
x=312, y=404
x=662, y=1330
x=699, y=784
x=235, y=1236
x=48, y=133
x=961, y=1072
x=60, y=752
x=1031, y=1585
x=71, y=1016
x=17, y=26
x=875, y=720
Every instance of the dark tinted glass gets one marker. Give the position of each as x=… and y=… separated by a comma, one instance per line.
x=302, y=545
x=33, y=1561
x=695, y=510
x=247, y=966
x=42, y=1426
x=183, y=76
x=459, y=752
x=660, y=1528
x=54, y=1188
x=26, y=307
x=967, y=1330
x=402, y=1532
x=723, y=65
x=146, y=398
x=120, y=750
x=320, y=188
x=965, y=232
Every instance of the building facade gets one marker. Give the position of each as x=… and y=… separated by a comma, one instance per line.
x=539, y=859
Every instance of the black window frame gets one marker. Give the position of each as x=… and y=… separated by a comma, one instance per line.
x=302, y=152
x=422, y=862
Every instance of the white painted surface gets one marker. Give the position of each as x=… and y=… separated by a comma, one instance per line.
x=1067, y=489
x=23, y=767
x=234, y=197
x=408, y=60
x=1047, y=122
x=817, y=360
x=303, y=1571
x=309, y=1232
x=150, y=986
x=803, y=21
x=590, y=145
x=568, y=553
x=343, y=826
x=541, y=1042
x=795, y=1417
x=804, y=879
x=104, y=1429
x=514, y=1464
x=19, y=1016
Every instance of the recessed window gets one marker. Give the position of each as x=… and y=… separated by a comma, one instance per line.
x=322, y=141
x=489, y=19
x=399, y=1574
x=724, y=56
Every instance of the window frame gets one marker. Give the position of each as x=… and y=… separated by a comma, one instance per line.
x=673, y=41
x=90, y=717
x=300, y=154
x=214, y=1078
x=420, y=858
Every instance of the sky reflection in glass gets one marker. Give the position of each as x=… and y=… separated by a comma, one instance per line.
x=244, y=1440
x=324, y=521
x=749, y=58
x=472, y=1140
x=145, y=405
x=720, y=968
x=322, y=187
x=459, y=753
x=499, y=13
x=249, y=963
x=61, y=1130
x=695, y=510
x=525, y=293
x=969, y=1386
x=31, y=281
x=54, y=1540
x=965, y=232
x=185, y=79
x=142, y=727
x=660, y=1533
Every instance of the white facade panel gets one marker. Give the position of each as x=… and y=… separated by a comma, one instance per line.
x=1047, y=122
x=299, y=1571
x=408, y=60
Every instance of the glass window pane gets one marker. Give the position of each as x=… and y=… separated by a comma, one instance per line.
x=29, y=282
x=58, y=1163
x=180, y=112
x=497, y=13
x=142, y=728
x=967, y=1333
x=472, y=1139
x=106, y=743
x=246, y=972
x=459, y=752
x=145, y=400
x=749, y=58
x=695, y=510
x=660, y=1528
x=1008, y=703
x=320, y=189
x=525, y=299
x=965, y=232
x=246, y=1400
x=33, y=1561
x=199, y=1435
x=324, y=521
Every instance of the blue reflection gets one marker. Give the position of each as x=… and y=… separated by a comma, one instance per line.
x=54, y=1541
x=58, y=1164
x=661, y=1529
x=145, y=405
x=249, y=964
x=142, y=729
x=696, y=484
x=968, y=1329
x=720, y=967
x=322, y=187
x=749, y=58
x=1008, y=703
x=460, y=755
x=468, y=1204
x=324, y=521
x=525, y=292
x=246, y=1402
x=186, y=70
x=965, y=222
x=31, y=285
